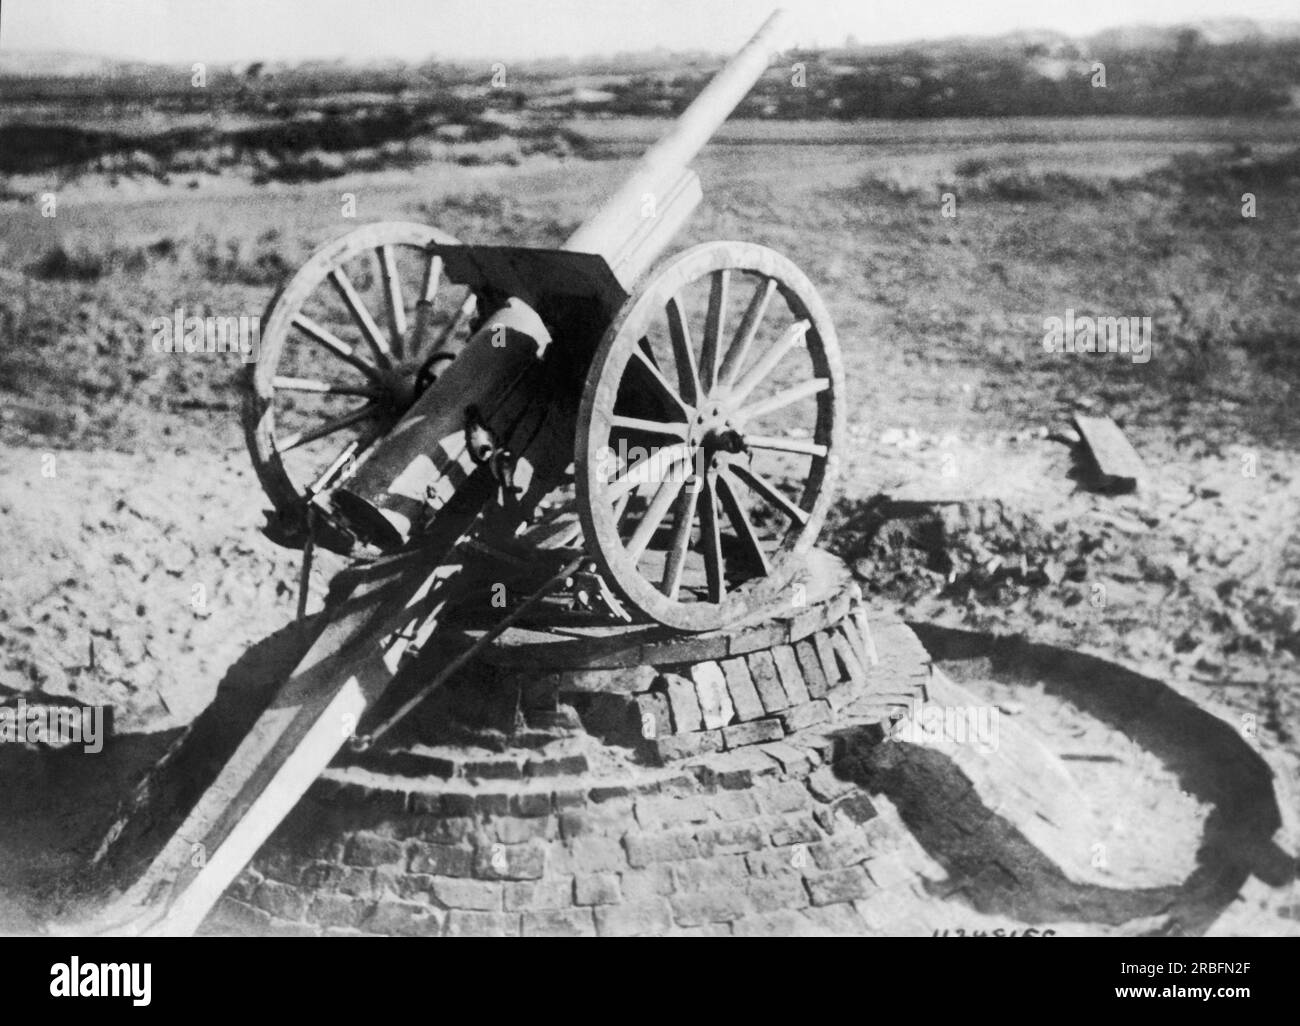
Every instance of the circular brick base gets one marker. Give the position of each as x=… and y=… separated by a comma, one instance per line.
x=692, y=797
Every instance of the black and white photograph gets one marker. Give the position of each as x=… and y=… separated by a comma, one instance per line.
x=656, y=468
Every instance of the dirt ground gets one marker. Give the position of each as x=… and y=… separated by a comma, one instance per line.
x=132, y=571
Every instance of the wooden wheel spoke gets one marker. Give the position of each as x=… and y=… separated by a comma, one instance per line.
x=793, y=336
x=688, y=376
x=681, y=540
x=393, y=301
x=463, y=313
x=747, y=332
x=738, y=513
x=711, y=351
x=322, y=387
x=649, y=470
x=778, y=444
x=361, y=314
x=322, y=336
x=785, y=398
x=711, y=543
x=650, y=427
x=350, y=452
x=330, y=426
x=654, y=516
x=657, y=375
x=763, y=487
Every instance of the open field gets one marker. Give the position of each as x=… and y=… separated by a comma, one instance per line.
x=940, y=320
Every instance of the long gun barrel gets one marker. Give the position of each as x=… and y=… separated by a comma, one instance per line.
x=658, y=176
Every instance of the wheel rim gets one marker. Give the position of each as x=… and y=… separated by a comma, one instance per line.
x=343, y=343
x=720, y=382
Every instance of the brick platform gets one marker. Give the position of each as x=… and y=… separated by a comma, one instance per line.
x=743, y=821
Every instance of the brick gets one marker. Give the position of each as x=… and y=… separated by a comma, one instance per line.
x=594, y=855
x=839, y=885
x=783, y=797
x=373, y=850
x=659, y=811
x=883, y=910
x=361, y=882
x=776, y=862
x=856, y=807
x=654, y=718
x=888, y=871
x=611, y=817
x=826, y=657
x=404, y=918
x=841, y=850
x=535, y=804
x=634, y=919
x=726, y=872
x=801, y=829
x=482, y=924
x=774, y=893
x=762, y=671
x=836, y=920
x=596, y=889
x=614, y=680
x=810, y=664
x=516, y=830
x=711, y=690
x=661, y=846
x=445, y=830
x=728, y=805
x=791, y=676
x=708, y=907
x=491, y=803
x=539, y=895
x=280, y=900
x=238, y=918
x=441, y=860
x=682, y=701
x=826, y=786
x=477, y=895
x=752, y=733
x=510, y=861
x=685, y=746
x=336, y=910
x=607, y=793
x=458, y=804
x=740, y=686
x=797, y=717
x=793, y=762
x=493, y=769
x=651, y=882
x=735, y=771
x=729, y=838
x=558, y=766
x=572, y=797
x=573, y=922
x=774, y=923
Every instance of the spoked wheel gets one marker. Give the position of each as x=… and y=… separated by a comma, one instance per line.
x=347, y=345
x=707, y=436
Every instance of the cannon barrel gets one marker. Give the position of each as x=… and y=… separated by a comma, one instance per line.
x=658, y=176
x=629, y=230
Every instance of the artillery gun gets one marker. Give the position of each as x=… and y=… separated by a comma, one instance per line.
x=591, y=434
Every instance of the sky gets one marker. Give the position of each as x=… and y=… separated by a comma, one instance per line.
x=221, y=31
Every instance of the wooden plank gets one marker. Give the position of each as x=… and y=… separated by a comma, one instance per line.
x=1119, y=468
